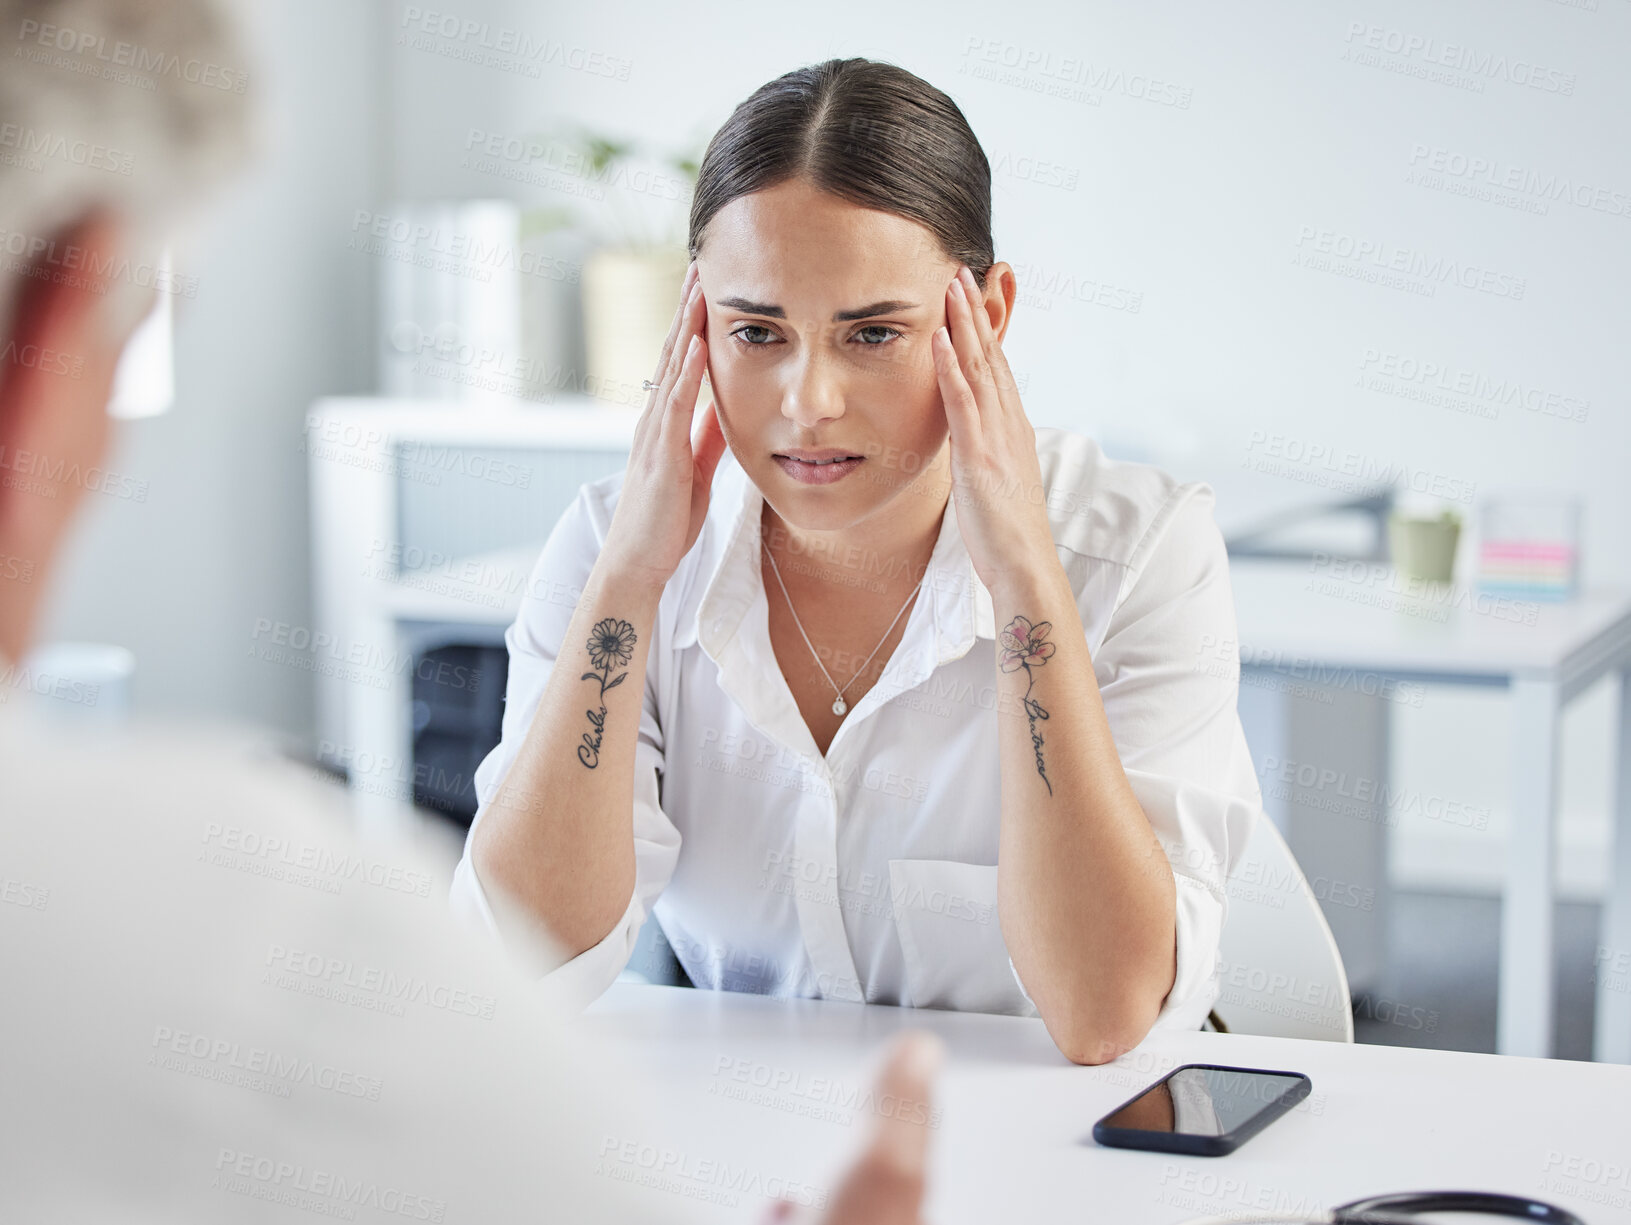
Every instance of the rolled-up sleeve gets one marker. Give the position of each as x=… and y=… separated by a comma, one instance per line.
x=534, y=643
x=1170, y=681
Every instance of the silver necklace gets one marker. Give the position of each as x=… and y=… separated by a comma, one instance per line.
x=838, y=706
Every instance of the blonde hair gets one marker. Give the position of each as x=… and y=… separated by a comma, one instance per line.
x=129, y=107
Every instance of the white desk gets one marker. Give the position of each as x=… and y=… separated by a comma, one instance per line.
x=1295, y=628
x=760, y=1084
x=426, y=520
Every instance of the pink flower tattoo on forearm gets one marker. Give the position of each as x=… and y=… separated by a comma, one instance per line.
x=1025, y=646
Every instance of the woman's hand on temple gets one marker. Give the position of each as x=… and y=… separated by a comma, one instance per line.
x=664, y=498
x=996, y=476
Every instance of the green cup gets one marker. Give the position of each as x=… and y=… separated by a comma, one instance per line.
x=1423, y=546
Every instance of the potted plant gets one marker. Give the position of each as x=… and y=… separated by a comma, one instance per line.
x=631, y=281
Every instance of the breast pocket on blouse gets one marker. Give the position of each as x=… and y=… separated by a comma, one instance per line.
x=946, y=917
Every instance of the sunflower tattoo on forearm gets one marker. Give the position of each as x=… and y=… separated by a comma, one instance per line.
x=1024, y=646
x=611, y=645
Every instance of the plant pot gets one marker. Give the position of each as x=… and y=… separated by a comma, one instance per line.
x=629, y=299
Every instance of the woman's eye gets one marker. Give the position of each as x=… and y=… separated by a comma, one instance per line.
x=877, y=327
x=752, y=327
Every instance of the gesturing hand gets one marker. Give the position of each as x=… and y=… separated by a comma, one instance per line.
x=664, y=498
x=996, y=476
x=885, y=1184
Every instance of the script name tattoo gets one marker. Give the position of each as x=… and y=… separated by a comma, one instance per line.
x=1025, y=646
x=611, y=645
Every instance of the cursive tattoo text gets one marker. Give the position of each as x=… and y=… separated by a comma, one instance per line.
x=611, y=645
x=1025, y=646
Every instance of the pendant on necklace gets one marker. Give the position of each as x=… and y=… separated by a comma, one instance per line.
x=838, y=707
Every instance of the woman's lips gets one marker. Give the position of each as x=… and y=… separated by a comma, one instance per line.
x=817, y=474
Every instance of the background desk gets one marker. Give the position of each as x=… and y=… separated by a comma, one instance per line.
x=1300, y=627
x=770, y=1086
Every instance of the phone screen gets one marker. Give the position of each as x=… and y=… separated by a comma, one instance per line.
x=1197, y=1101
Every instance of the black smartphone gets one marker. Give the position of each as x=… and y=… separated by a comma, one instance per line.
x=1202, y=1108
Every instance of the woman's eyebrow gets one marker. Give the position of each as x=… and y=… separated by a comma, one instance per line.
x=775, y=312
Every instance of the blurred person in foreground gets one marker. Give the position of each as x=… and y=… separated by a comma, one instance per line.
x=220, y=1003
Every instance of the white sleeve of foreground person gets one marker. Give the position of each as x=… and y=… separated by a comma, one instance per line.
x=220, y=1005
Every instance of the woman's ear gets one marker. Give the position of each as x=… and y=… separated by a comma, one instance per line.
x=1001, y=288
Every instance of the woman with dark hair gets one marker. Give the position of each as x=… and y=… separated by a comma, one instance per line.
x=931, y=707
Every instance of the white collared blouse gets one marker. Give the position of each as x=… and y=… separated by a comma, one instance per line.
x=870, y=873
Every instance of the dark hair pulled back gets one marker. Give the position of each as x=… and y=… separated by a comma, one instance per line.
x=865, y=131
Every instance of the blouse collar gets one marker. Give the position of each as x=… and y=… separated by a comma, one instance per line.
x=956, y=612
